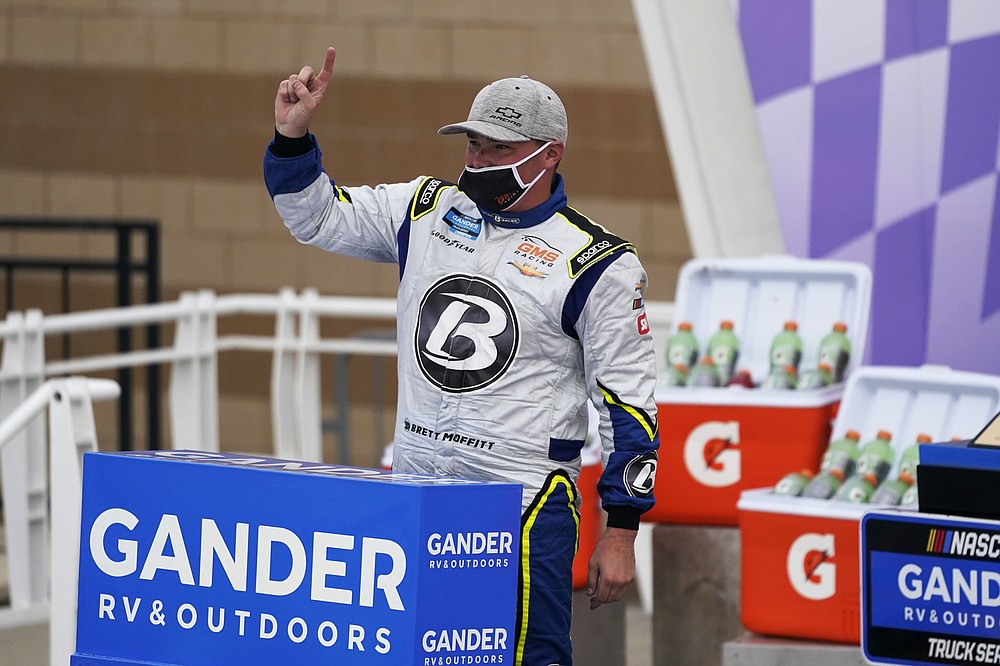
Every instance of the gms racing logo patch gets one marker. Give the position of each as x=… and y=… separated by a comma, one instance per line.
x=536, y=250
x=467, y=333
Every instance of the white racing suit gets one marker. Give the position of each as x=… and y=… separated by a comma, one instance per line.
x=506, y=325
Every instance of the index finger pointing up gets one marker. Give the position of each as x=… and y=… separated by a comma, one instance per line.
x=327, y=71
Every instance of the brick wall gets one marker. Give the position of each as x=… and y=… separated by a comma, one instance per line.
x=161, y=109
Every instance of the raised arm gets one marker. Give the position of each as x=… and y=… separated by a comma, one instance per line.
x=299, y=96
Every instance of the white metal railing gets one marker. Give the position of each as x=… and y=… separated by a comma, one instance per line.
x=72, y=433
x=295, y=348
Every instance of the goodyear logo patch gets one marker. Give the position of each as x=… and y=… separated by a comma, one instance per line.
x=463, y=225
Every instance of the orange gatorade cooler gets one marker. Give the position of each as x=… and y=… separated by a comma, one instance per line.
x=716, y=442
x=801, y=556
x=713, y=447
x=800, y=568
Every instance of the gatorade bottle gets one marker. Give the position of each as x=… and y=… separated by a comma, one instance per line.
x=876, y=457
x=781, y=378
x=741, y=378
x=891, y=492
x=675, y=375
x=911, y=496
x=858, y=489
x=911, y=456
x=682, y=346
x=825, y=484
x=786, y=348
x=724, y=348
x=817, y=377
x=794, y=483
x=704, y=374
x=835, y=350
x=841, y=454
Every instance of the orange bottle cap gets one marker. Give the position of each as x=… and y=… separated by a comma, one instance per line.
x=684, y=326
x=884, y=434
x=840, y=327
x=791, y=325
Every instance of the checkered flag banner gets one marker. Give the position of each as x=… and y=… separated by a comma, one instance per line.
x=880, y=122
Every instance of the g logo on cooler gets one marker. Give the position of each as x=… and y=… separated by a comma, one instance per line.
x=467, y=333
x=710, y=455
x=809, y=569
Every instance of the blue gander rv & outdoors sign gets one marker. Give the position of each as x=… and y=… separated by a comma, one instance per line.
x=195, y=558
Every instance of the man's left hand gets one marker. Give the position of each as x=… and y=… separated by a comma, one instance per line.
x=612, y=566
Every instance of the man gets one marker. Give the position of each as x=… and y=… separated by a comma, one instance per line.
x=513, y=310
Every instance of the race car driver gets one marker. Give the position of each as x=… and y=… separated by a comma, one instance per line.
x=514, y=309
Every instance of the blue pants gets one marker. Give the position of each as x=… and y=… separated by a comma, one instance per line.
x=550, y=532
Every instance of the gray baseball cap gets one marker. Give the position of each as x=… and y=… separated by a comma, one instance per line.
x=514, y=110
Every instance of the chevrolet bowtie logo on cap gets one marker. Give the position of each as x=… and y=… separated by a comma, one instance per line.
x=515, y=109
x=507, y=112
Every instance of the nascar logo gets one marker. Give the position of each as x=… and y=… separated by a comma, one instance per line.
x=964, y=542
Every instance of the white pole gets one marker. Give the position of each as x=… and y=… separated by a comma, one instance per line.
x=71, y=434
x=699, y=78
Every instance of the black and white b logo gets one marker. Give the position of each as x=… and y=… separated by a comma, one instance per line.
x=467, y=333
x=640, y=475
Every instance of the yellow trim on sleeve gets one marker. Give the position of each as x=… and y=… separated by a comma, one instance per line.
x=612, y=399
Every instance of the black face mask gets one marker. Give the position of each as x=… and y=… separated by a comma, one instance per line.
x=497, y=188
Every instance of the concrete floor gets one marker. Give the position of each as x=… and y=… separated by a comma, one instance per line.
x=639, y=636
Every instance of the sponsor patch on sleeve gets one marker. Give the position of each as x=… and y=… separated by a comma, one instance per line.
x=426, y=197
x=602, y=242
x=642, y=324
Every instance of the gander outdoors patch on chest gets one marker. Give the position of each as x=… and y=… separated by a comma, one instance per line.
x=462, y=225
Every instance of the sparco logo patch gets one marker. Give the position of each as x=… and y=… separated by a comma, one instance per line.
x=591, y=251
x=428, y=194
x=467, y=334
